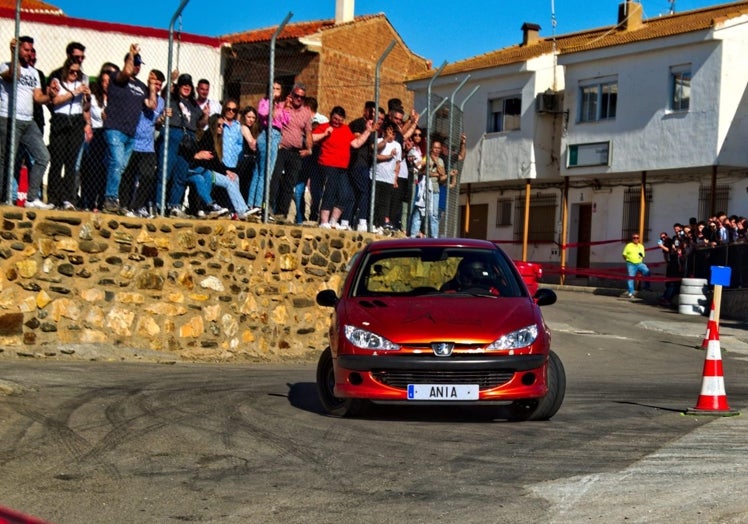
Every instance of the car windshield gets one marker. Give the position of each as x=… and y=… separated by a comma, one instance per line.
x=436, y=271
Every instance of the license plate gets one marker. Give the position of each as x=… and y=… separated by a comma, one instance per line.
x=442, y=392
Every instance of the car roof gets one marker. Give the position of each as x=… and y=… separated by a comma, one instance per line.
x=401, y=243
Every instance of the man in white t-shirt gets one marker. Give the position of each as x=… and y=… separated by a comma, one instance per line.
x=27, y=131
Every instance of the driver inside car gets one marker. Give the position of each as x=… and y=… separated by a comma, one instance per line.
x=472, y=274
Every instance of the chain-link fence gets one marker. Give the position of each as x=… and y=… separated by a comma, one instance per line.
x=90, y=154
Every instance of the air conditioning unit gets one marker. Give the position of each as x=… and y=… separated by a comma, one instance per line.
x=548, y=102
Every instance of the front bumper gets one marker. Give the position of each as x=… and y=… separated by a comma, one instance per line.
x=386, y=377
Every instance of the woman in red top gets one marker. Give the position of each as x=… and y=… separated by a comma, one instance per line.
x=336, y=140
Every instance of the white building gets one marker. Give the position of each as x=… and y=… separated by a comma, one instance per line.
x=584, y=120
x=52, y=30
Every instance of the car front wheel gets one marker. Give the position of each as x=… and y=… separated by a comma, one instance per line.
x=543, y=408
x=337, y=407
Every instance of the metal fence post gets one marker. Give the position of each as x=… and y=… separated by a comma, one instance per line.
x=449, y=156
x=10, y=161
x=165, y=162
x=373, y=171
x=462, y=112
x=269, y=130
x=429, y=122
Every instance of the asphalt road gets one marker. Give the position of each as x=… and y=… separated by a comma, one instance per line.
x=108, y=442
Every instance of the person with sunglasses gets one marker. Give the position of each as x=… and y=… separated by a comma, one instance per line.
x=70, y=124
x=232, y=143
x=295, y=144
x=633, y=254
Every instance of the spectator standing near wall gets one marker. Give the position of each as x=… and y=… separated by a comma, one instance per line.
x=127, y=97
x=295, y=144
x=27, y=131
x=336, y=140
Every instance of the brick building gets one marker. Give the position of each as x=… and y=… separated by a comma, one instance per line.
x=336, y=60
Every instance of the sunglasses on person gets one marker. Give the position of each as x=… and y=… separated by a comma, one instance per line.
x=78, y=58
x=416, y=134
x=232, y=109
x=297, y=95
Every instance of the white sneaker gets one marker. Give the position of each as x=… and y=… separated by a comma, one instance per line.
x=214, y=210
x=68, y=206
x=325, y=225
x=131, y=214
x=362, y=226
x=38, y=204
x=378, y=230
x=343, y=226
x=254, y=211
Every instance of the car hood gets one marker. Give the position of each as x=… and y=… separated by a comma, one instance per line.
x=463, y=319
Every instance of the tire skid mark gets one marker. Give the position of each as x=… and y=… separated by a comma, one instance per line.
x=235, y=422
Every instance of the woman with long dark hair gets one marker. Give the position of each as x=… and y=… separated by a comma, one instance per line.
x=207, y=170
x=256, y=198
x=70, y=114
x=96, y=152
x=250, y=131
x=186, y=118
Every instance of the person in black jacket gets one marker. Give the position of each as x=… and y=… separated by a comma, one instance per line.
x=207, y=170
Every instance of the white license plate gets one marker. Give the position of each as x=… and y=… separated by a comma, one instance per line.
x=442, y=392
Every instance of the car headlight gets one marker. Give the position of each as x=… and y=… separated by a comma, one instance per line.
x=516, y=339
x=364, y=339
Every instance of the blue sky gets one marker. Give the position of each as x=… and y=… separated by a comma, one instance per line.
x=438, y=30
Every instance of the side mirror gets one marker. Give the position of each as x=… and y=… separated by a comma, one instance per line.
x=327, y=298
x=542, y=297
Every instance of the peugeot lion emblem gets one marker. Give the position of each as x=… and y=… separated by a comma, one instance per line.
x=442, y=349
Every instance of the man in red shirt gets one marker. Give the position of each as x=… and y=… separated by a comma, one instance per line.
x=336, y=140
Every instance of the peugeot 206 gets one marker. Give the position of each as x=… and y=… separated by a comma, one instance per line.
x=438, y=321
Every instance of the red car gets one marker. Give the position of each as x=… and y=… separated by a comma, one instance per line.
x=438, y=321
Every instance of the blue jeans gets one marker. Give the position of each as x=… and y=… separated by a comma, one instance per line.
x=298, y=197
x=28, y=135
x=633, y=269
x=177, y=170
x=420, y=212
x=120, y=148
x=204, y=180
x=257, y=186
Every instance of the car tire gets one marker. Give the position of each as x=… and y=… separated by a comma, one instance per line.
x=337, y=407
x=543, y=408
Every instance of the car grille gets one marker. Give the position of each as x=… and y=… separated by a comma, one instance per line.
x=484, y=379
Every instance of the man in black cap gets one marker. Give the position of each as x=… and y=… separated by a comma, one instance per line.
x=127, y=96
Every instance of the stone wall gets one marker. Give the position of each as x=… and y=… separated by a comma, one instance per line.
x=203, y=290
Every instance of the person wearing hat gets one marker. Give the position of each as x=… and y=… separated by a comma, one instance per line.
x=127, y=97
x=186, y=118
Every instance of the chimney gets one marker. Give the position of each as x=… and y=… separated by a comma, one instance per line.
x=530, y=34
x=343, y=11
x=629, y=15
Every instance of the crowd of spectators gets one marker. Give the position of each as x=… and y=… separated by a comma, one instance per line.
x=678, y=248
x=110, y=149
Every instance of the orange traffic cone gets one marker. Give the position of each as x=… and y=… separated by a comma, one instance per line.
x=713, y=399
x=711, y=325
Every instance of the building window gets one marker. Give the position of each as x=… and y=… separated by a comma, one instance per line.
x=721, y=197
x=503, y=212
x=542, y=227
x=504, y=114
x=680, y=81
x=598, y=102
x=631, y=211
